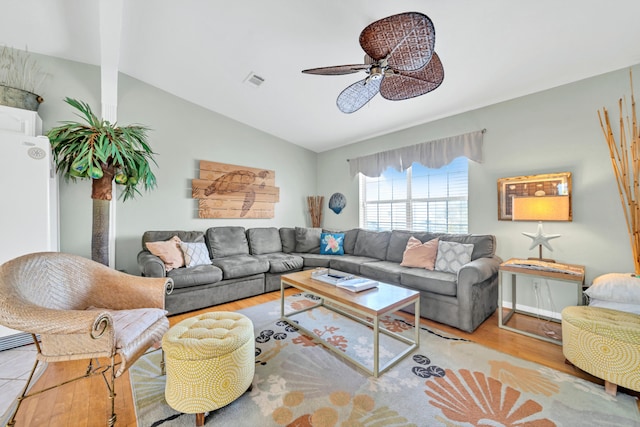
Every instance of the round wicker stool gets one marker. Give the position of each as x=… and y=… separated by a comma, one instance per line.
x=210, y=362
x=604, y=343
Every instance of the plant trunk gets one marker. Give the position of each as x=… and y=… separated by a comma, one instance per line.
x=101, y=195
x=100, y=232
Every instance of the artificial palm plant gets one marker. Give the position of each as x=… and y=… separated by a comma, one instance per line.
x=103, y=152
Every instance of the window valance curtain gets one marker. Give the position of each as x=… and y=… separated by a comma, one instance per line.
x=432, y=154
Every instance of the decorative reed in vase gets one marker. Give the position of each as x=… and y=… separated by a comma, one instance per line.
x=315, y=209
x=625, y=159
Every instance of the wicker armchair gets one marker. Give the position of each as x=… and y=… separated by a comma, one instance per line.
x=76, y=308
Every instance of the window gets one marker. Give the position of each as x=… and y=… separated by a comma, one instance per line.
x=418, y=199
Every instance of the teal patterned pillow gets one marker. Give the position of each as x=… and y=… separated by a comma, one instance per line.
x=332, y=244
x=195, y=254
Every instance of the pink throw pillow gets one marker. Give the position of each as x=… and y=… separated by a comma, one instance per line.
x=418, y=254
x=169, y=252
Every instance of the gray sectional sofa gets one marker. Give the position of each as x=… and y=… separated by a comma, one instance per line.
x=250, y=262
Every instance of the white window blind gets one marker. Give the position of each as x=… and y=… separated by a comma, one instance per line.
x=417, y=199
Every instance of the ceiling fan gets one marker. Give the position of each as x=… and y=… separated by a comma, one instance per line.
x=399, y=60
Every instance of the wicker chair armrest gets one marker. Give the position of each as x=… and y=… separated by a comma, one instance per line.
x=31, y=318
x=116, y=290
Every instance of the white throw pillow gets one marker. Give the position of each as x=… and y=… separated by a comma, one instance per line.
x=620, y=306
x=195, y=254
x=616, y=287
x=452, y=256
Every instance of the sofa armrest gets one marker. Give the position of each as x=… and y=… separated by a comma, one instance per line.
x=151, y=265
x=478, y=270
x=477, y=291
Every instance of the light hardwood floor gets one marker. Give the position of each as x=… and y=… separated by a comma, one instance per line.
x=84, y=403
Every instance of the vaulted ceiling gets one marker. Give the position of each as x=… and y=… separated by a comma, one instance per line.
x=204, y=52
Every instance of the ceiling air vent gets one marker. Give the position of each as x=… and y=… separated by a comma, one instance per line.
x=254, y=79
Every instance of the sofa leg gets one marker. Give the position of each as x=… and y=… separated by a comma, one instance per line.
x=610, y=388
x=200, y=419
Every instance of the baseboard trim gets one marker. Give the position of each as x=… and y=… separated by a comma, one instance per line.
x=533, y=311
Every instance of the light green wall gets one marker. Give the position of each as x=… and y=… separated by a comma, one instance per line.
x=182, y=135
x=552, y=131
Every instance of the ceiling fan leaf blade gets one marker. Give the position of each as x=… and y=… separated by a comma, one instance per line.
x=409, y=84
x=407, y=40
x=357, y=95
x=337, y=70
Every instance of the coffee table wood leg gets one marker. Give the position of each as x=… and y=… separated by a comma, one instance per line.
x=200, y=419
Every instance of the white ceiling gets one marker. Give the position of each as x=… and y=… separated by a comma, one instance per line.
x=202, y=51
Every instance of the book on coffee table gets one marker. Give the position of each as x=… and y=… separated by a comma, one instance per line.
x=357, y=284
x=331, y=276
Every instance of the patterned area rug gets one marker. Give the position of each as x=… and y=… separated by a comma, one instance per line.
x=447, y=382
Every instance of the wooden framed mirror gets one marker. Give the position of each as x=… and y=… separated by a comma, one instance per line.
x=556, y=185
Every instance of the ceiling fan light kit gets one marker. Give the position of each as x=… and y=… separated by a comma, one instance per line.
x=400, y=62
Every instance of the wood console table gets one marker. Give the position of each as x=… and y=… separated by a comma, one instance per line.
x=508, y=269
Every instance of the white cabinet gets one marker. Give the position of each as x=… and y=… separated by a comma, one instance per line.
x=24, y=122
x=29, y=193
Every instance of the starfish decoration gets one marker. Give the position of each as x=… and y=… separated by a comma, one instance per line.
x=539, y=238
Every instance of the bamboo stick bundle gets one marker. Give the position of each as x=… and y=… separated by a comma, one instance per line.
x=314, y=204
x=625, y=159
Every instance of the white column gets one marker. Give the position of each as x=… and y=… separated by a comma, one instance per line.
x=110, y=34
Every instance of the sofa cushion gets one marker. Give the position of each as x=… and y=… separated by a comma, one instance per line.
x=452, y=256
x=227, y=241
x=195, y=253
x=332, y=244
x=279, y=262
x=264, y=240
x=420, y=255
x=372, y=244
x=240, y=265
x=288, y=239
x=195, y=276
x=437, y=282
x=349, y=263
x=350, y=238
x=317, y=260
x=308, y=239
x=168, y=251
x=383, y=271
x=484, y=245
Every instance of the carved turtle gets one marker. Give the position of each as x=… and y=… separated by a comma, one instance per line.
x=235, y=182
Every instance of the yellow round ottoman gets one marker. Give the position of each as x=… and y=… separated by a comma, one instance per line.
x=210, y=362
x=604, y=343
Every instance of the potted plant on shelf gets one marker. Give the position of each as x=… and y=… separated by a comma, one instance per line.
x=103, y=152
x=20, y=77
